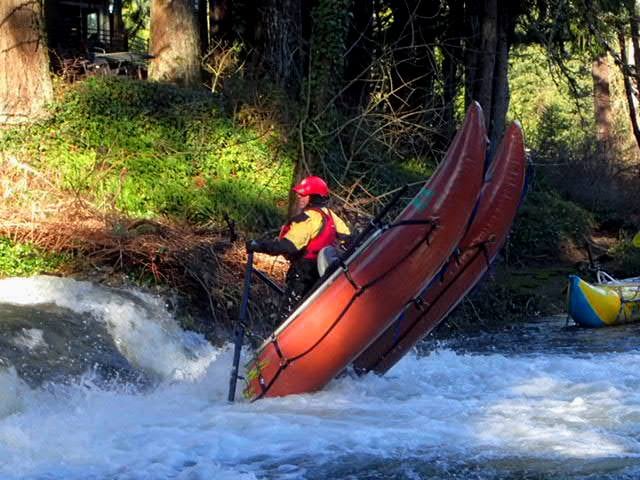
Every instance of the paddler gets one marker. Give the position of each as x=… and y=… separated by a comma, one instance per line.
x=315, y=232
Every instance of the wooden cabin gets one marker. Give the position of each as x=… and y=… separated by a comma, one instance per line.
x=76, y=27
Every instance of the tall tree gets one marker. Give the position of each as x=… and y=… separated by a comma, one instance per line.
x=283, y=52
x=361, y=49
x=602, y=104
x=220, y=19
x=174, y=42
x=326, y=58
x=25, y=82
x=412, y=38
x=491, y=26
x=481, y=75
x=608, y=21
x=507, y=17
x=452, y=60
x=632, y=101
x=118, y=30
x=203, y=25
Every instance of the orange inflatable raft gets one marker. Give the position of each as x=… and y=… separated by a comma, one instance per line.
x=359, y=301
x=487, y=233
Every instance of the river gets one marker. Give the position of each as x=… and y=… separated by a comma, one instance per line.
x=98, y=383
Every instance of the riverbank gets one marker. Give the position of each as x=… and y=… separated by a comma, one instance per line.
x=135, y=183
x=204, y=287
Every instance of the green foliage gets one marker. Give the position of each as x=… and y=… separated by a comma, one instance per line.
x=136, y=15
x=556, y=110
x=551, y=110
x=150, y=149
x=626, y=260
x=21, y=260
x=545, y=221
x=330, y=24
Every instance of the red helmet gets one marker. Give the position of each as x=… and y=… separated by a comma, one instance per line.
x=312, y=186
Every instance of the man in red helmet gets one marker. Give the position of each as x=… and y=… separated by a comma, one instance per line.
x=302, y=239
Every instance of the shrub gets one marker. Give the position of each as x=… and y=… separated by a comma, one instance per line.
x=626, y=260
x=544, y=221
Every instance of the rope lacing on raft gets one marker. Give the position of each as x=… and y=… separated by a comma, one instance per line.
x=624, y=315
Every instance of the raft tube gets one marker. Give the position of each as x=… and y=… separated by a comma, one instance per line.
x=359, y=301
x=603, y=304
x=497, y=206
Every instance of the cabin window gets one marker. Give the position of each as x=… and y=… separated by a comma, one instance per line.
x=92, y=23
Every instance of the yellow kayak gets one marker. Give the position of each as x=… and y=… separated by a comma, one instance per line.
x=608, y=302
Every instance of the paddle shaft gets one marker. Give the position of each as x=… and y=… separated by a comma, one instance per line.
x=239, y=330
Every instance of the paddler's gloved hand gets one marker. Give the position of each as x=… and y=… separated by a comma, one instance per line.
x=253, y=245
x=272, y=247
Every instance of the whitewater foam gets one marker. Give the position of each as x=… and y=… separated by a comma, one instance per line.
x=11, y=392
x=142, y=329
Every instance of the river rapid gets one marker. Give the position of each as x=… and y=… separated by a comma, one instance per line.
x=98, y=383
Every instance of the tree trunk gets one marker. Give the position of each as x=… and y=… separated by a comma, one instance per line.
x=483, y=88
x=628, y=88
x=25, y=82
x=119, y=34
x=412, y=36
x=220, y=20
x=361, y=49
x=501, y=94
x=326, y=59
x=602, y=104
x=283, y=49
x=472, y=52
x=203, y=25
x=328, y=33
x=452, y=58
x=635, y=35
x=174, y=43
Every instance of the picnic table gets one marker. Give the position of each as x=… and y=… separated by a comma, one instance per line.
x=122, y=63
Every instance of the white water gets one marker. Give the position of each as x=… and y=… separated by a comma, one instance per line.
x=138, y=323
x=488, y=415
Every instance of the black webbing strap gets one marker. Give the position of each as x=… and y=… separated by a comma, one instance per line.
x=419, y=302
x=350, y=279
x=483, y=245
x=481, y=248
x=426, y=239
x=403, y=223
x=284, y=361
